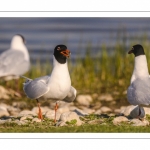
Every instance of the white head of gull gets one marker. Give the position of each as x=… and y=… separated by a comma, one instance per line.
x=14, y=61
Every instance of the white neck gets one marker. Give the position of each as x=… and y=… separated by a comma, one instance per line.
x=60, y=71
x=140, y=68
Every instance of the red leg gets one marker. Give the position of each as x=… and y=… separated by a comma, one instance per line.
x=40, y=112
x=56, y=107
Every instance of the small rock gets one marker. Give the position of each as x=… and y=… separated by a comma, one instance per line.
x=95, y=96
x=36, y=120
x=119, y=119
x=97, y=121
x=13, y=111
x=26, y=113
x=105, y=109
x=68, y=116
x=3, y=121
x=137, y=122
x=20, y=105
x=63, y=109
x=147, y=110
x=43, y=109
x=80, y=112
x=97, y=105
x=23, y=118
x=87, y=110
x=3, y=113
x=98, y=112
x=4, y=94
x=51, y=114
x=106, y=97
x=84, y=100
x=117, y=111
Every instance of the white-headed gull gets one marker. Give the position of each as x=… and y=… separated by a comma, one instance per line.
x=14, y=61
x=56, y=86
x=138, y=92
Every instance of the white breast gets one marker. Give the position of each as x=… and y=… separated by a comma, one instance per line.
x=59, y=82
x=140, y=68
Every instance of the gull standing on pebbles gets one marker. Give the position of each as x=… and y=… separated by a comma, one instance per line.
x=56, y=86
x=138, y=92
x=14, y=61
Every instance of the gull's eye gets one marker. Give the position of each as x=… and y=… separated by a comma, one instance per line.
x=58, y=48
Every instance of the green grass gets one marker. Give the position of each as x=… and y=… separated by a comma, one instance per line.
x=47, y=126
x=103, y=73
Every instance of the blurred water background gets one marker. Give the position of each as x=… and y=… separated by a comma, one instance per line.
x=43, y=34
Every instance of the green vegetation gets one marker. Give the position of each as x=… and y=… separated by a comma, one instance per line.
x=48, y=126
x=104, y=72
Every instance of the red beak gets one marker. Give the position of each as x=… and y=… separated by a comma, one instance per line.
x=65, y=53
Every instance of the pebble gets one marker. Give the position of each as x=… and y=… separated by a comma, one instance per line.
x=84, y=99
x=137, y=122
x=3, y=113
x=36, y=120
x=80, y=112
x=26, y=113
x=105, y=109
x=51, y=114
x=118, y=120
x=43, y=109
x=106, y=97
x=67, y=117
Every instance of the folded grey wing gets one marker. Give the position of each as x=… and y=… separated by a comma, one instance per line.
x=35, y=88
x=71, y=95
x=13, y=62
x=139, y=92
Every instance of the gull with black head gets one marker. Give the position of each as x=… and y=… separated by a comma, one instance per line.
x=138, y=92
x=56, y=86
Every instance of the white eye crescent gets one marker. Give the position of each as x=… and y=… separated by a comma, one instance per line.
x=58, y=48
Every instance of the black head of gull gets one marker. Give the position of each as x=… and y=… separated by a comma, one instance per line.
x=137, y=50
x=61, y=53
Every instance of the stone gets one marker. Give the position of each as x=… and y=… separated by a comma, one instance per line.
x=43, y=109
x=105, y=109
x=13, y=111
x=87, y=110
x=117, y=111
x=3, y=113
x=51, y=115
x=63, y=109
x=36, y=120
x=20, y=105
x=118, y=120
x=137, y=122
x=97, y=105
x=23, y=118
x=97, y=112
x=105, y=97
x=80, y=112
x=67, y=117
x=4, y=94
x=26, y=113
x=147, y=110
x=84, y=100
